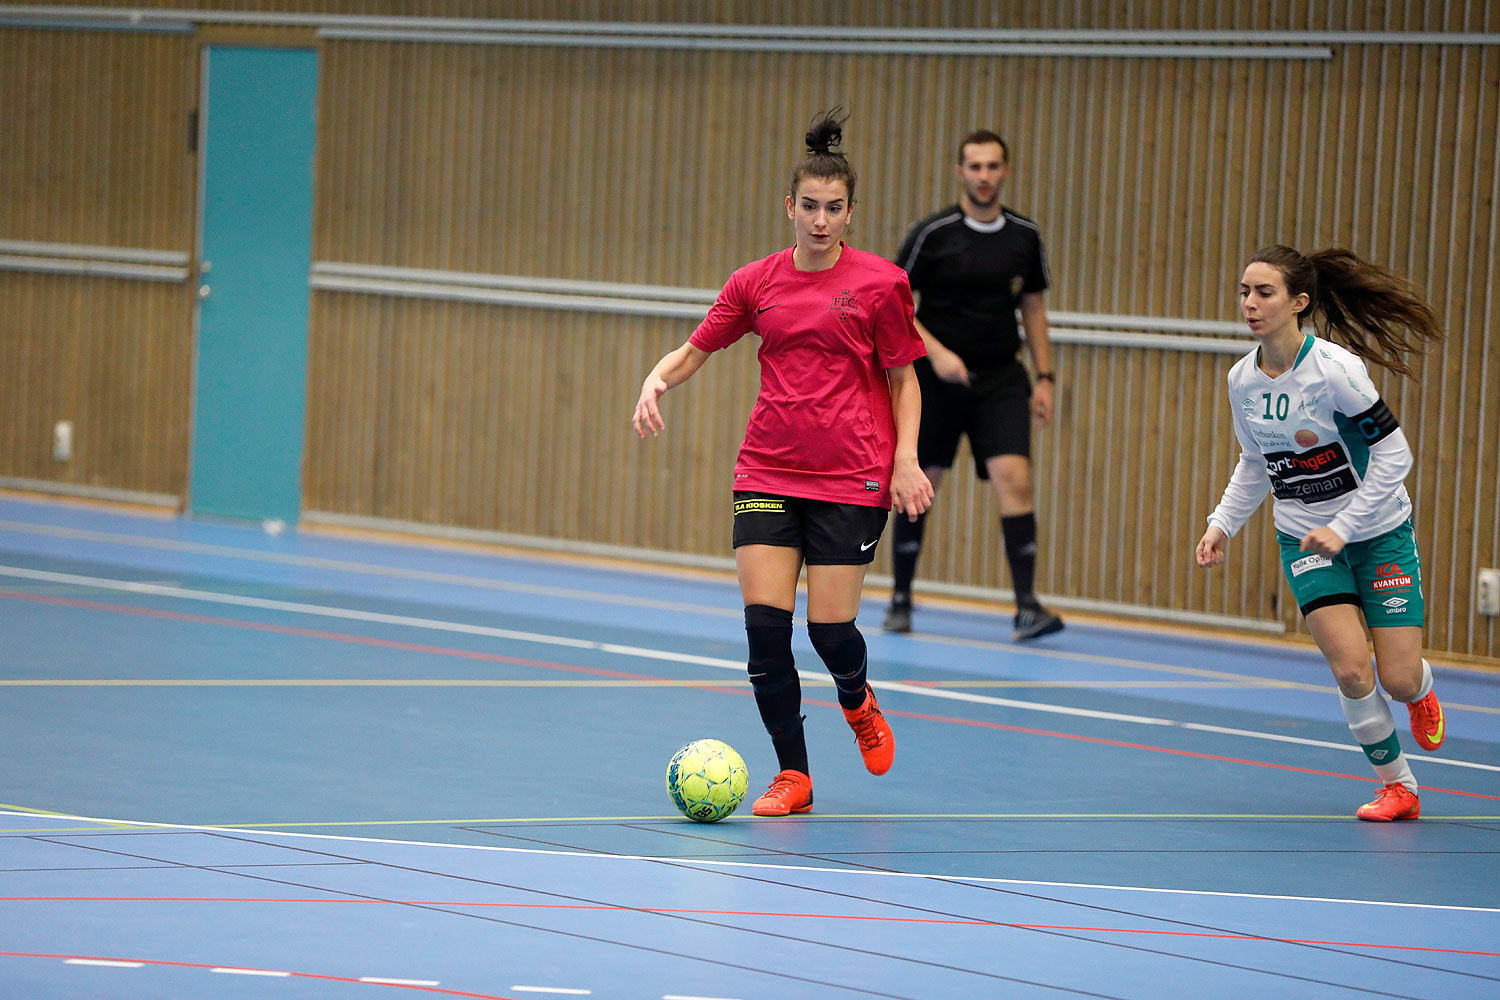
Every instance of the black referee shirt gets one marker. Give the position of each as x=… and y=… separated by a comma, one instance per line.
x=971, y=281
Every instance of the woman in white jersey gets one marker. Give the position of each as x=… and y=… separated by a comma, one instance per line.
x=1314, y=432
x=830, y=446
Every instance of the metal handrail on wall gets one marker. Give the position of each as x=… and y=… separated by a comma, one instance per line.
x=1103, y=42
x=96, y=261
x=1091, y=329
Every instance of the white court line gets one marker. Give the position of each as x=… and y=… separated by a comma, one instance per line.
x=552, y=989
x=382, y=981
x=667, y=656
x=685, y=996
x=106, y=963
x=252, y=972
x=367, y=569
x=572, y=593
x=569, y=593
x=755, y=865
x=348, y=614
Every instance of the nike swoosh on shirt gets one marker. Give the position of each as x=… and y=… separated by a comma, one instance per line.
x=767, y=308
x=867, y=546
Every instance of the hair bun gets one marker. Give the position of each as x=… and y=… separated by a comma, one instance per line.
x=826, y=132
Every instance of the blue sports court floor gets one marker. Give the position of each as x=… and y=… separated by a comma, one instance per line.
x=317, y=766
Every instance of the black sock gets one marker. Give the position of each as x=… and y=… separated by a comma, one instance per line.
x=773, y=678
x=843, y=651
x=1020, y=552
x=906, y=546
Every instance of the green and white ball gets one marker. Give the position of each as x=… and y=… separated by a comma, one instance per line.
x=707, y=780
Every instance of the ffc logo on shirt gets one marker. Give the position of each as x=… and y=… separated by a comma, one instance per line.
x=1389, y=575
x=845, y=305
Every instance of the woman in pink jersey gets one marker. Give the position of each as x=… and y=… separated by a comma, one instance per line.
x=830, y=447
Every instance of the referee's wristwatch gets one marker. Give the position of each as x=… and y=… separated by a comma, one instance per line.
x=1046, y=377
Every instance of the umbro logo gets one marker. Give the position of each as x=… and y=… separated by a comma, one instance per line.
x=1379, y=754
x=1396, y=602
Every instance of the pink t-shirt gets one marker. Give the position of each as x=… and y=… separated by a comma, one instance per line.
x=822, y=428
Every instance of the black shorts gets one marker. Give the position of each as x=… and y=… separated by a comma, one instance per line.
x=829, y=534
x=994, y=410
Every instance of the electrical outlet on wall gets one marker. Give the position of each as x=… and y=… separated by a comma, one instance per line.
x=1487, y=593
x=62, y=441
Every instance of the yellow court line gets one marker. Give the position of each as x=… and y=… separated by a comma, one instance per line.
x=825, y=817
x=27, y=809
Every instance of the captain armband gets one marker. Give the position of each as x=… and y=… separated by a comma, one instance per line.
x=1376, y=423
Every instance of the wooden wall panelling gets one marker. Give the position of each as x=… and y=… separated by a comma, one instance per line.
x=96, y=154
x=1152, y=179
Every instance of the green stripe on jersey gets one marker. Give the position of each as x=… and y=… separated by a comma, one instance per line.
x=1354, y=443
x=1307, y=343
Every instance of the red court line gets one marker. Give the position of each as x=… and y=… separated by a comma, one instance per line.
x=752, y=913
x=1167, y=750
x=621, y=675
x=297, y=975
x=309, y=633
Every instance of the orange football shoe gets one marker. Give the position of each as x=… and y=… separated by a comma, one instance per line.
x=1395, y=801
x=877, y=745
x=1427, y=721
x=790, y=792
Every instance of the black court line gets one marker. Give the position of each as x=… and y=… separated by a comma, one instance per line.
x=1061, y=902
x=586, y=937
x=1476, y=826
x=698, y=919
x=170, y=866
x=1075, y=936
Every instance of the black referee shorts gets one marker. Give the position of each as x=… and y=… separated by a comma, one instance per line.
x=994, y=410
x=829, y=534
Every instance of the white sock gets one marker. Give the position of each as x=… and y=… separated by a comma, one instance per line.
x=1426, y=687
x=1374, y=730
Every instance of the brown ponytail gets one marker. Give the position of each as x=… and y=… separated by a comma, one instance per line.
x=1365, y=308
x=826, y=132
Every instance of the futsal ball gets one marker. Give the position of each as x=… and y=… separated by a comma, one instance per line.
x=707, y=780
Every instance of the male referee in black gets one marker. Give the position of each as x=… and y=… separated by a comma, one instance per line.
x=972, y=265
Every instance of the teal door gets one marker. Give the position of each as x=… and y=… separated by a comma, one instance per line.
x=250, y=382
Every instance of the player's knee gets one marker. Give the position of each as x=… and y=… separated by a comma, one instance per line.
x=768, y=632
x=1401, y=686
x=1011, y=475
x=1353, y=675
x=832, y=638
x=840, y=645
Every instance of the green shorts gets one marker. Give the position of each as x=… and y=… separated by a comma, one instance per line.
x=1381, y=575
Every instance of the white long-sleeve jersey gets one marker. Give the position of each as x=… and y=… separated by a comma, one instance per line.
x=1320, y=439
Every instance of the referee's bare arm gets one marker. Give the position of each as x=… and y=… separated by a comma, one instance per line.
x=1034, y=320
x=671, y=371
x=946, y=365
